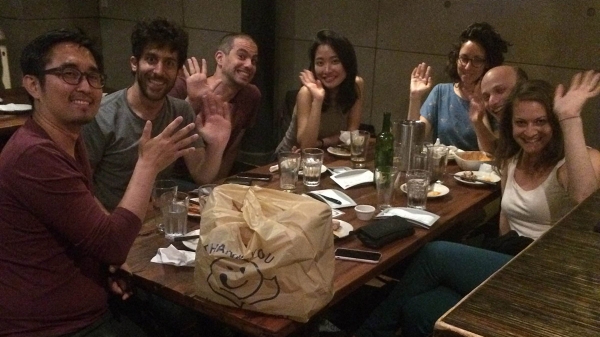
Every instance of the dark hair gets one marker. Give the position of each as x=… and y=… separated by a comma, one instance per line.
x=521, y=75
x=226, y=43
x=36, y=55
x=348, y=91
x=541, y=92
x=161, y=33
x=486, y=36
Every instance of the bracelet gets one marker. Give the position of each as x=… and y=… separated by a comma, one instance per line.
x=564, y=119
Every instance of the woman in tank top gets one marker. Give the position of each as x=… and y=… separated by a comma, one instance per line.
x=545, y=165
x=331, y=97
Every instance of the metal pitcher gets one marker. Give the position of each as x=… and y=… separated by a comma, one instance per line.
x=408, y=134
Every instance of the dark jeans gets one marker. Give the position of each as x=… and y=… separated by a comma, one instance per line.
x=438, y=277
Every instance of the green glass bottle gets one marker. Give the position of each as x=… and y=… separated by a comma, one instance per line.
x=384, y=144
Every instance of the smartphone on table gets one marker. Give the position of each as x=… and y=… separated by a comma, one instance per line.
x=255, y=176
x=358, y=255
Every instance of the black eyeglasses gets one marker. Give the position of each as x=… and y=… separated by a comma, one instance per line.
x=475, y=62
x=74, y=76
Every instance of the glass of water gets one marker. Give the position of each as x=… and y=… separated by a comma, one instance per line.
x=417, y=186
x=312, y=160
x=289, y=164
x=175, y=212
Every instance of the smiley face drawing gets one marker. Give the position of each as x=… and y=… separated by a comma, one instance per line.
x=241, y=282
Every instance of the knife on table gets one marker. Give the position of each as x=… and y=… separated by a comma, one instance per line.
x=333, y=200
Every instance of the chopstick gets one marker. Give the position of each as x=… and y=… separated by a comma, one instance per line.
x=185, y=238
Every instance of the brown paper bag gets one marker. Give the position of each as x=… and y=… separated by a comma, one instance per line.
x=265, y=250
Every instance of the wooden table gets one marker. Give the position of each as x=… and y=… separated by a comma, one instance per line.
x=551, y=289
x=176, y=283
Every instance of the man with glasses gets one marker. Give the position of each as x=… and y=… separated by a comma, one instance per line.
x=236, y=58
x=159, y=50
x=56, y=242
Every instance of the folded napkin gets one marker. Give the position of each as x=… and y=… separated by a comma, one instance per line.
x=345, y=137
x=426, y=219
x=173, y=256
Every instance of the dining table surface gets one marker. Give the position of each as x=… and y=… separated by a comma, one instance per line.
x=176, y=283
x=552, y=288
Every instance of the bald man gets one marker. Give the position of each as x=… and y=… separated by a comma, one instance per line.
x=496, y=85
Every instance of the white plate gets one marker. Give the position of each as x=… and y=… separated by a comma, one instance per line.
x=323, y=170
x=439, y=188
x=352, y=178
x=338, y=151
x=193, y=214
x=192, y=244
x=14, y=107
x=491, y=177
x=344, y=230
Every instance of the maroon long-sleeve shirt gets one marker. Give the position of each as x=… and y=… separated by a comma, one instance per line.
x=55, y=242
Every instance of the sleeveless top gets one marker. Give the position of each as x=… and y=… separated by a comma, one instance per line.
x=532, y=213
x=332, y=122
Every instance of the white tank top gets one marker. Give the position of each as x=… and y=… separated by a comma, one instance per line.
x=531, y=213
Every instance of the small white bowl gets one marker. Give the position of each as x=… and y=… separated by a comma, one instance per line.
x=364, y=212
x=472, y=160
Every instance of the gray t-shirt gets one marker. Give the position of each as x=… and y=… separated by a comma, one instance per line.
x=112, y=140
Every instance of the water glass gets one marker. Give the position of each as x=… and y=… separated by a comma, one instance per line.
x=289, y=164
x=385, y=177
x=437, y=156
x=174, y=211
x=359, y=144
x=417, y=186
x=418, y=159
x=312, y=160
x=161, y=187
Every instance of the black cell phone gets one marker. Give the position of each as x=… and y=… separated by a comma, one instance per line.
x=239, y=181
x=255, y=176
x=357, y=255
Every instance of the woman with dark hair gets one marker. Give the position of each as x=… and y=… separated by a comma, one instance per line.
x=546, y=170
x=446, y=110
x=331, y=97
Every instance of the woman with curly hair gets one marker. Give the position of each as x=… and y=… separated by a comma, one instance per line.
x=331, y=97
x=446, y=110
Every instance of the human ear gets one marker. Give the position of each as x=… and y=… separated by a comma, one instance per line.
x=32, y=85
x=133, y=63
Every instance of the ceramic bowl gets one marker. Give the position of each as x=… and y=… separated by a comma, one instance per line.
x=471, y=160
x=364, y=212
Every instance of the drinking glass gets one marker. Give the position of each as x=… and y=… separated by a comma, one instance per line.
x=359, y=143
x=417, y=186
x=312, y=160
x=161, y=187
x=174, y=211
x=385, y=177
x=418, y=159
x=289, y=164
x=437, y=156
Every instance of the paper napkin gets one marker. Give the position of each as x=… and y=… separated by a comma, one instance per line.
x=174, y=256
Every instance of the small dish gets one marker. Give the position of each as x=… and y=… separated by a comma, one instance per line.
x=491, y=177
x=193, y=243
x=439, y=190
x=344, y=230
x=364, y=212
x=339, y=151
